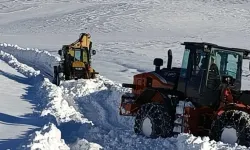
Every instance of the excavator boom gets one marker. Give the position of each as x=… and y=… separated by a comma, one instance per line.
x=83, y=41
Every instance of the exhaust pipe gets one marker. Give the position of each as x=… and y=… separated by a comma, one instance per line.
x=170, y=57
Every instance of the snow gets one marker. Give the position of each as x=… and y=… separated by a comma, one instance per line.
x=32, y=57
x=54, y=108
x=57, y=106
x=47, y=139
x=84, y=144
x=190, y=142
x=49, y=93
x=17, y=95
x=127, y=35
x=24, y=69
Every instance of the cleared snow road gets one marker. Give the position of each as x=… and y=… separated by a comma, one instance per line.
x=17, y=115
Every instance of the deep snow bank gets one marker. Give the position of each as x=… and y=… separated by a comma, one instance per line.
x=98, y=99
x=57, y=106
x=53, y=107
x=24, y=69
x=48, y=138
x=51, y=95
x=42, y=60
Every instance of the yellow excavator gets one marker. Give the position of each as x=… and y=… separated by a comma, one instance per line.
x=75, y=61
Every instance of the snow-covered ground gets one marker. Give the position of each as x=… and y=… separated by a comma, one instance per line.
x=28, y=113
x=18, y=103
x=127, y=35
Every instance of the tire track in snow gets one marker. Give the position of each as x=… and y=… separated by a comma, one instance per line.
x=94, y=18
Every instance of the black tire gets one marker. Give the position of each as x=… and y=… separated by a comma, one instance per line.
x=162, y=124
x=56, y=79
x=236, y=119
x=93, y=76
x=67, y=69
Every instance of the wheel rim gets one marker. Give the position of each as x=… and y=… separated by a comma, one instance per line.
x=147, y=127
x=229, y=135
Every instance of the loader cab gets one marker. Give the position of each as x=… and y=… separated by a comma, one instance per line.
x=203, y=69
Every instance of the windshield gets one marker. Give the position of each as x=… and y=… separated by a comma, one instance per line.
x=77, y=55
x=185, y=63
x=81, y=55
x=228, y=62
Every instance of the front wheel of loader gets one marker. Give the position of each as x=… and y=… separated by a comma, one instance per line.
x=232, y=127
x=56, y=76
x=153, y=121
x=93, y=76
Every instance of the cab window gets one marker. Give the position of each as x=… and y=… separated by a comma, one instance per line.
x=77, y=55
x=185, y=63
x=228, y=62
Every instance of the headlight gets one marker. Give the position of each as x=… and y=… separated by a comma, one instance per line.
x=78, y=68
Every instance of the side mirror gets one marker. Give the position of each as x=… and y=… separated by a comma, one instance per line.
x=60, y=52
x=93, y=52
x=158, y=62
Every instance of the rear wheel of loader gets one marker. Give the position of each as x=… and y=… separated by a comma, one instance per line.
x=232, y=127
x=153, y=121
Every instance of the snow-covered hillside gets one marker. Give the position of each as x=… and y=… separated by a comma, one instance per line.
x=127, y=35
x=132, y=32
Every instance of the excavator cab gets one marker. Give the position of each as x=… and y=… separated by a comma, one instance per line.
x=75, y=60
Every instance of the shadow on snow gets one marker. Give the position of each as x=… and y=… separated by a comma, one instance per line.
x=31, y=119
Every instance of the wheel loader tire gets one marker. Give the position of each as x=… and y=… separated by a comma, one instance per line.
x=158, y=119
x=237, y=122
